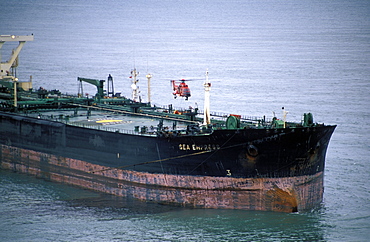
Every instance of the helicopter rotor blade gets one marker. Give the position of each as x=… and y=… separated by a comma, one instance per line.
x=190, y=79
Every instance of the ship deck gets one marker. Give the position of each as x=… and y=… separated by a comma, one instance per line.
x=110, y=121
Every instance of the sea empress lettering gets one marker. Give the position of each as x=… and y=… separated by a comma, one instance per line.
x=196, y=147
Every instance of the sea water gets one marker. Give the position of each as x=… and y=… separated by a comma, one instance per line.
x=306, y=56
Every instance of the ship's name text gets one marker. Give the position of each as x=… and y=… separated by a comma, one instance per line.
x=199, y=147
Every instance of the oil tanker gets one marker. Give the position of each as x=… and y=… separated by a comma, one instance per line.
x=183, y=157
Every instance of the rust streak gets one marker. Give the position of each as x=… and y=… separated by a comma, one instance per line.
x=289, y=194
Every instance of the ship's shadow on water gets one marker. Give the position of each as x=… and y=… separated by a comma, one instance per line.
x=207, y=224
x=123, y=205
x=226, y=224
x=233, y=225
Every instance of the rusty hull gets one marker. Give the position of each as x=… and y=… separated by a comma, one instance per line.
x=287, y=194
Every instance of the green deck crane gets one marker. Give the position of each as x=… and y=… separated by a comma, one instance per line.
x=98, y=83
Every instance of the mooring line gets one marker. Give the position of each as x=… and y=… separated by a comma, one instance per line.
x=178, y=157
x=222, y=147
x=154, y=161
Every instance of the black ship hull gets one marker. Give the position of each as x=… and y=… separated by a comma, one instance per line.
x=278, y=169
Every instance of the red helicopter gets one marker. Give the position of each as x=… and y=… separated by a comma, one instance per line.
x=181, y=89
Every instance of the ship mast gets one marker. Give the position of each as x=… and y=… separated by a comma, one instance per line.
x=207, y=88
x=134, y=87
x=149, y=76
